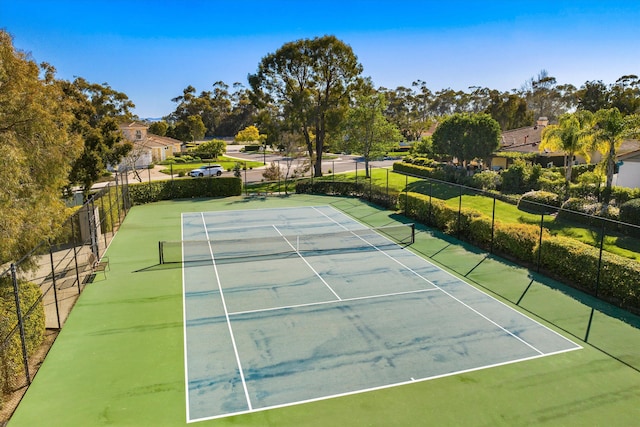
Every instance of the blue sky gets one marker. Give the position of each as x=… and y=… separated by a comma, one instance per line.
x=152, y=50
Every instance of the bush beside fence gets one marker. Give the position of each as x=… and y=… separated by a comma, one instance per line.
x=379, y=195
x=610, y=277
x=49, y=279
x=154, y=191
x=11, y=357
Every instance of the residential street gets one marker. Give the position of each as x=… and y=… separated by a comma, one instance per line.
x=342, y=163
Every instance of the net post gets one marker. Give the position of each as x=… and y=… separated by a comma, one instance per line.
x=160, y=258
x=413, y=233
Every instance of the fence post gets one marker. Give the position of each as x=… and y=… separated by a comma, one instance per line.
x=23, y=339
x=540, y=241
x=75, y=252
x=53, y=282
x=387, y=186
x=493, y=224
x=459, y=210
x=113, y=224
x=93, y=228
x=430, y=201
x=406, y=194
x=103, y=220
x=118, y=200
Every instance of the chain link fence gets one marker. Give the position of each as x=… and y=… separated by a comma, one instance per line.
x=38, y=291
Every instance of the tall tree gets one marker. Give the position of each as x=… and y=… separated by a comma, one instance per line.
x=467, y=136
x=546, y=98
x=625, y=94
x=367, y=130
x=98, y=110
x=310, y=80
x=593, y=96
x=612, y=127
x=509, y=110
x=572, y=135
x=38, y=145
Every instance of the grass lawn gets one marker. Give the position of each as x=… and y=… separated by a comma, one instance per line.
x=614, y=242
x=226, y=162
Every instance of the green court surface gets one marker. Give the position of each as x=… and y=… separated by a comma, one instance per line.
x=120, y=358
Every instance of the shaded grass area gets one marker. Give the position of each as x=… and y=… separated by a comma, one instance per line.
x=614, y=242
x=119, y=359
x=226, y=162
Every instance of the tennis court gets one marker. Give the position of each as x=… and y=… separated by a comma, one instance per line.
x=121, y=357
x=284, y=306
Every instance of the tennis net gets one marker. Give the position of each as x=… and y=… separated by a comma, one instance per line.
x=283, y=246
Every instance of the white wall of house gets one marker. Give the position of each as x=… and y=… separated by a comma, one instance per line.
x=629, y=174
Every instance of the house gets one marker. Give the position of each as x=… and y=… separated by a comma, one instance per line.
x=628, y=169
x=525, y=140
x=147, y=147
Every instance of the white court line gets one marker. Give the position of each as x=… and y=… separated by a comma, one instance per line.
x=306, y=262
x=311, y=304
x=443, y=291
x=226, y=313
x=412, y=380
x=184, y=323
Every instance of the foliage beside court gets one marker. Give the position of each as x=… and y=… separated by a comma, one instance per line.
x=571, y=261
x=382, y=196
x=154, y=191
x=11, y=360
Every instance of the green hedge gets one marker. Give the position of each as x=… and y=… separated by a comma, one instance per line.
x=538, y=202
x=569, y=258
x=630, y=212
x=572, y=261
x=373, y=193
x=153, y=191
x=11, y=363
x=425, y=171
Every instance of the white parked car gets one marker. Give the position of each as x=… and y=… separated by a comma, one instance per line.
x=211, y=170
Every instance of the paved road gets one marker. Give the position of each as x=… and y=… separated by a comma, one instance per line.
x=335, y=164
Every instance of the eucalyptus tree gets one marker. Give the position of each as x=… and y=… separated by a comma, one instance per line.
x=545, y=97
x=593, y=96
x=310, y=80
x=38, y=144
x=509, y=110
x=367, y=130
x=572, y=135
x=625, y=94
x=98, y=109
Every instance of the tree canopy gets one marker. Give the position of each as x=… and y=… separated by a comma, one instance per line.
x=98, y=110
x=38, y=146
x=310, y=81
x=467, y=136
x=367, y=130
x=572, y=135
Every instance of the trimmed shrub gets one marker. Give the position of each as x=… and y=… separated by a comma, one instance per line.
x=153, y=191
x=623, y=194
x=630, y=212
x=487, y=180
x=518, y=240
x=413, y=169
x=11, y=363
x=538, y=202
x=577, y=262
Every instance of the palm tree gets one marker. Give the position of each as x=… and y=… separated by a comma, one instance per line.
x=572, y=135
x=611, y=128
